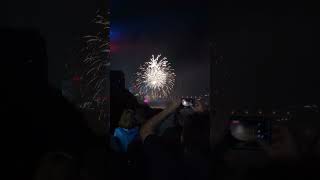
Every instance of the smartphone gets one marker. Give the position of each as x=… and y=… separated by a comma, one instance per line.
x=187, y=102
x=248, y=130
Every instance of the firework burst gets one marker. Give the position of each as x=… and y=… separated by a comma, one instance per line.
x=155, y=78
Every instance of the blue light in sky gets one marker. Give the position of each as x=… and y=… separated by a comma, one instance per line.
x=114, y=35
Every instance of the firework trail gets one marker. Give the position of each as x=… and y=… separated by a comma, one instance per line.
x=97, y=58
x=155, y=78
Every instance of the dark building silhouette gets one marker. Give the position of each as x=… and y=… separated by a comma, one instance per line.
x=117, y=79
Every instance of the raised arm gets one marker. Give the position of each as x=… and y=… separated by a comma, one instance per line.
x=149, y=127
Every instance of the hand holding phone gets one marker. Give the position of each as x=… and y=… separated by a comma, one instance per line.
x=187, y=102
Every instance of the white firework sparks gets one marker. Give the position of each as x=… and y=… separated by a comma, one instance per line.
x=156, y=78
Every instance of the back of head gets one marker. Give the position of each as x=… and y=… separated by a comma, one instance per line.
x=127, y=119
x=196, y=132
x=24, y=79
x=196, y=140
x=24, y=60
x=37, y=118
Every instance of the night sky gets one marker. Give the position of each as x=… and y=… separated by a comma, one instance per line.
x=270, y=53
x=270, y=50
x=178, y=31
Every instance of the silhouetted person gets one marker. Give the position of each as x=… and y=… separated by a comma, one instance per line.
x=175, y=156
x=42, y=128
x=294, y=151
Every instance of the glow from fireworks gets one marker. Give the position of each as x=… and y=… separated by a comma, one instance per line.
x=155, y=78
